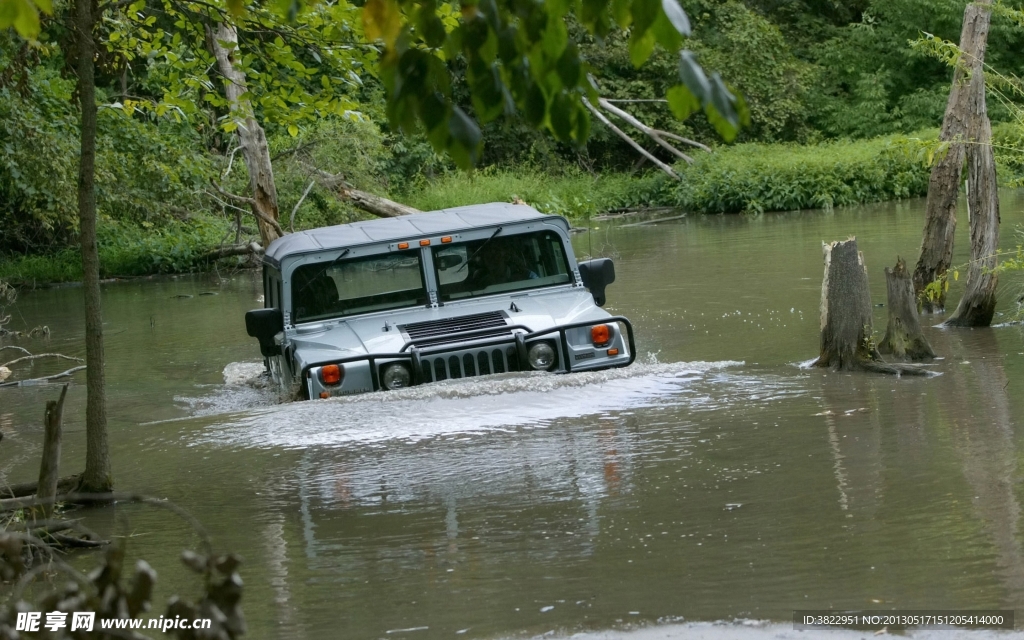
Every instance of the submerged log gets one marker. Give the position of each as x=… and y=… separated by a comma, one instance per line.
x=49, y=467
x=903, y=337
x=846, y=326
x=67, y=484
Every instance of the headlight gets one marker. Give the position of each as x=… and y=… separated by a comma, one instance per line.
x=396, y=376
x=541, y=356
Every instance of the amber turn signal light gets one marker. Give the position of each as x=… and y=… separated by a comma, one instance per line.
x=324, y=395
x=613, y=352
x=331, y=374
x=600, y=335
x=403, y=245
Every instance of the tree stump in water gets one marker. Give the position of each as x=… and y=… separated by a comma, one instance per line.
x=49, y=468
x=903, y=338
x=846, y=326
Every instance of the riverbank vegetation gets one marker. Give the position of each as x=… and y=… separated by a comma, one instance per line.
x=842, y=110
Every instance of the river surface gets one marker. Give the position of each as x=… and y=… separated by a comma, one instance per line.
x=715, y=479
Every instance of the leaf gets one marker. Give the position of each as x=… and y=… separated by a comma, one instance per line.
x=676, y=16
x=682, y=102
x=640, y=47
x=293, y=130
x=22, y=15
x=465, y=135
x=382, y=20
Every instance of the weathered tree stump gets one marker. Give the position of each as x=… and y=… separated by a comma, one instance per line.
x=846, y=326
x=49, y=468
x=903, y=337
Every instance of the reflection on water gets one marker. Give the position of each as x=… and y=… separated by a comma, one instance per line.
x=716, y=480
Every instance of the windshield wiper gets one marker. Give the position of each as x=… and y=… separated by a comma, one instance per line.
x=330, y=264
x=479, y=249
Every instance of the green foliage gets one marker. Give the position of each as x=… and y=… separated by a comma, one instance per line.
x=519, y=58
x=761, y=177
x=754, y=56
x=298, y=67
x=127, y=250
x=23, y=15
x=147, y=171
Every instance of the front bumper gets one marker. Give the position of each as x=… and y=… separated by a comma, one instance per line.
x=481, y=352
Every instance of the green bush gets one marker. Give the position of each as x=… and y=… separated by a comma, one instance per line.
x=127, y=250
x=146, y=170
x=574, y=194
x=762, y=177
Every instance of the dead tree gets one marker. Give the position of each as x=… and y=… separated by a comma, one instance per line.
x=49, y=467
x=846, y=326
x=660, y=137
x=978, y=304
x=903, y=337
x=944, y=183
x=251, y=137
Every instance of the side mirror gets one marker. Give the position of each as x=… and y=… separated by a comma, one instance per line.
x=597, y=274
x=445, y=263
x=264, y=324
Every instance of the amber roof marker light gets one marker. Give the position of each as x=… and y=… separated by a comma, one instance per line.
x=424, y=243
x=403, y=245
x=446, y=239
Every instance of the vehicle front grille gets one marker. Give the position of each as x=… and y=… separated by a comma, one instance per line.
x=437, y=329
x=468, y=365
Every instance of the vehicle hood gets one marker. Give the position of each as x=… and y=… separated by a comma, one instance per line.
x=381, y=332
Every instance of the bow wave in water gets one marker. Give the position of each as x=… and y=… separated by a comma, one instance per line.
x=474, y=405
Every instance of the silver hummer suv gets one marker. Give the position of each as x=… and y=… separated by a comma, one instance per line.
x=456, y=293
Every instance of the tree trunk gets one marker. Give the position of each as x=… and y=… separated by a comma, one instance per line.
x=978, y=304
x=944, y=183
x=845, y=309
x=251, y=137
x=368, y=202
x=846, y=326
x=903, y=338
x=49, y=467
x=376, y=205
x=97, y=476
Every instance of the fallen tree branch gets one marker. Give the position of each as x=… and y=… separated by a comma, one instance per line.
x=295, y=209
x=630, y=141
x=368, y=202
x=21, y=349
x=253, y=248
x=62, y=374
x=41, y=355
x=67, y=484
x=14, y=504
x=654, y=134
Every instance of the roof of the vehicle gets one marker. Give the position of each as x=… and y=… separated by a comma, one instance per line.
x=401, y=228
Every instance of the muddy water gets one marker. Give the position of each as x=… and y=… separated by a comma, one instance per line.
x=713, y=480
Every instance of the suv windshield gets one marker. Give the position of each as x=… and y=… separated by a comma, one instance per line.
x=501, y=264
x=360, y=285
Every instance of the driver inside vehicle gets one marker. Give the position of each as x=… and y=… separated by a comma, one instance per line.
x=499, y=261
